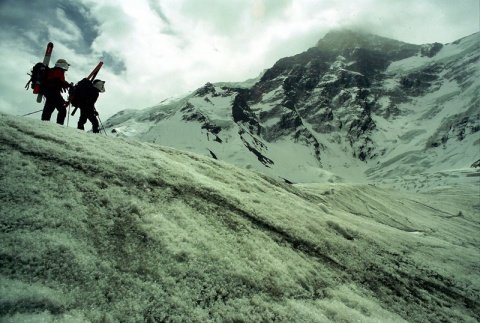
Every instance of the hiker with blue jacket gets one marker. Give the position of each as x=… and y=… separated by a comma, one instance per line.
x=87, y=105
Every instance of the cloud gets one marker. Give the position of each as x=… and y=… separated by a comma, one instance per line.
x=412, y=21
x=67, y=32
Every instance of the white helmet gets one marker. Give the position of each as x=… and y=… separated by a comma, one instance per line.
x=63, y=64
x=99, y=85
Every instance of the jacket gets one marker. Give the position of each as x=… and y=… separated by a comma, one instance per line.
x=56, y=81
x=90, y=97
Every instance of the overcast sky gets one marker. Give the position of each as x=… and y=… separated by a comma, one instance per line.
x=156, y=49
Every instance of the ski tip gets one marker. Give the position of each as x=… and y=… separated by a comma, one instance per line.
x=50, y=44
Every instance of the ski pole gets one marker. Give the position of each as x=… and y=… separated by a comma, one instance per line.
x=31, y=113
x=68, y=115
x=102, y=124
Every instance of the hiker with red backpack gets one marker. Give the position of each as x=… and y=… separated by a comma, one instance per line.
x=54, y=85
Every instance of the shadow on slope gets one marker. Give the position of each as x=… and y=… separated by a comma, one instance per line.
x=102, y=229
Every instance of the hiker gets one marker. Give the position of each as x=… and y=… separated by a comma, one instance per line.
x=54, y=85
x=87, y=105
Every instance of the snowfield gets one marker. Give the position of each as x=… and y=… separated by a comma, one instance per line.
x=103, y=229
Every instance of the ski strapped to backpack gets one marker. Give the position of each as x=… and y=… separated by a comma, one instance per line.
x=76, y=95
x=39, y=73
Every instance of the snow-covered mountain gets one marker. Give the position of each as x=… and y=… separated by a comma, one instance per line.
x=102, y=229
x=355, y=107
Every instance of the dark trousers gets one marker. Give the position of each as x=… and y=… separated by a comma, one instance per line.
x=54, y=101
x=88, y=113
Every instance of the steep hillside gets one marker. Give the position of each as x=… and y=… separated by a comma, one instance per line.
x=356, y=107
x=101, y=229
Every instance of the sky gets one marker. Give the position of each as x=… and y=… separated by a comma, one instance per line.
x=140, y=232
x=157, y=49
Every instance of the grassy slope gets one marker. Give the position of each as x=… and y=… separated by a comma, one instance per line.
x=96, y=228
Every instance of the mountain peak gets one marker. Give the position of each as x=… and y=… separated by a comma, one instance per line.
x=346, y=40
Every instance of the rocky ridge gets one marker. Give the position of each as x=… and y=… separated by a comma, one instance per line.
x=354, y=106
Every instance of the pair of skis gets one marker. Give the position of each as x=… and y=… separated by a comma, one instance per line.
x=46, y=61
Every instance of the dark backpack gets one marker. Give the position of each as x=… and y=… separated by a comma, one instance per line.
x=81, y=94
x=38, y=77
